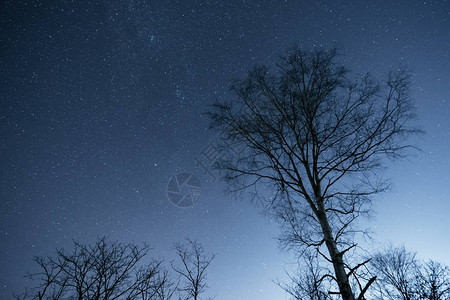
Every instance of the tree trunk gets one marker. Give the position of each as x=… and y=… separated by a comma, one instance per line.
x=336, y=258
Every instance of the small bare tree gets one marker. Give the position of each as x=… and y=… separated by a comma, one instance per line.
x=402, y=277
x=318, y=139
x=396, y=270
x=434, y=281
x=194, y=264
x=104, y=270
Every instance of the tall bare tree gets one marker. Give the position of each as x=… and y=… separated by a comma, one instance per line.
x=194, y=264
x=104, y=270
x=319, y=138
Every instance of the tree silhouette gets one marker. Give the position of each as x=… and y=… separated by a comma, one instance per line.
x=396, y=270
x=194, y=263
x=402, y=277
x=104, y=270
x=434, y=281
x=318, y=139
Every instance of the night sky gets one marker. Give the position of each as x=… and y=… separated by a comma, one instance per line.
x=102, y=104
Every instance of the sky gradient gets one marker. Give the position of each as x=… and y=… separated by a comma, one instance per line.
x=102, y=104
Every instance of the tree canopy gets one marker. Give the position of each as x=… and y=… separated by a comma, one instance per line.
x=318, y=138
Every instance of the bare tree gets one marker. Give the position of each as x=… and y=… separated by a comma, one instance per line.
x=319, y=139
x=402, y=277
x=194, y=264
x=104, y=270
x=434, y=281
x=396, y=270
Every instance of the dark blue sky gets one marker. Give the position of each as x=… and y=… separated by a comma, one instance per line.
x=102, y=102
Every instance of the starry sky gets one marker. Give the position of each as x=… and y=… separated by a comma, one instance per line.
x=102, y=103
